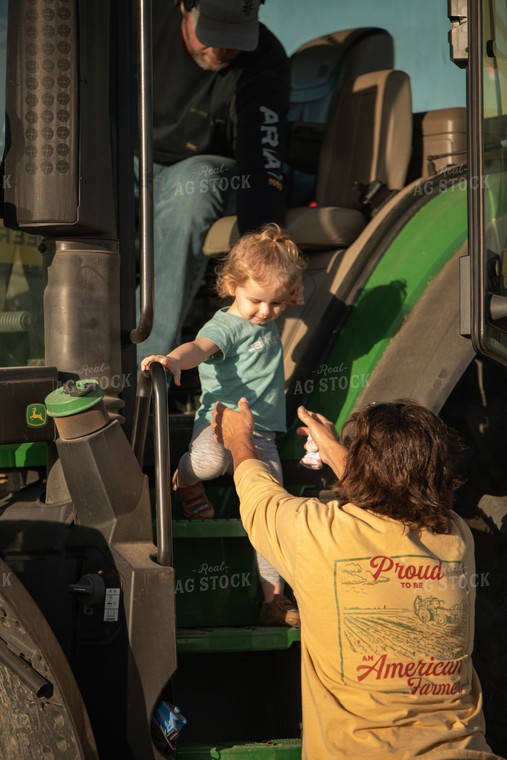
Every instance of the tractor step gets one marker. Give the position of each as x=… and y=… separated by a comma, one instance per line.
x=217, y=583
x=232, y=639
x=283, y=749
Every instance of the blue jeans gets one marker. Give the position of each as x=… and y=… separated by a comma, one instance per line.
x=187, y=197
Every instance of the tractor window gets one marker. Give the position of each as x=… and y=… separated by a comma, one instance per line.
x=487, y=102
x=21, y=316
x=495, y=143
x=21, y=289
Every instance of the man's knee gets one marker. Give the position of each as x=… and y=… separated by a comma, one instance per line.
x=197, y=186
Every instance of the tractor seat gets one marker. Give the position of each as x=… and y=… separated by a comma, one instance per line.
x=367, y=139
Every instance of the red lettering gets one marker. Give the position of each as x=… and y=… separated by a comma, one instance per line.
x=413, y=671
x=383, y=564
x=376, y=667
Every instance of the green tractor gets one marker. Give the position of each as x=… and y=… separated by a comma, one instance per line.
x=431, y=608
x=125, y=631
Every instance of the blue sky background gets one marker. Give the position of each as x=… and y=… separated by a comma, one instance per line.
x=419, y=29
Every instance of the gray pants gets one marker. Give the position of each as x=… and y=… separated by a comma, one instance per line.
x=206, y=459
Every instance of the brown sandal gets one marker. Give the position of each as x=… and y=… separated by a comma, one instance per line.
x=280, y=611
x=194, y=502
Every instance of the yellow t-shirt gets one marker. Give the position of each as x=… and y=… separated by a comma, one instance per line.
x=387, y=616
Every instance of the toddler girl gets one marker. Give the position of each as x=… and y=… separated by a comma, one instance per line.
x=239, y=354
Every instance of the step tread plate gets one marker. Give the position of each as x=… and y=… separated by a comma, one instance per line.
x=236, y=639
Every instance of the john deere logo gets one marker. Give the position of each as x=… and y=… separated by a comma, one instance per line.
x=36, y=415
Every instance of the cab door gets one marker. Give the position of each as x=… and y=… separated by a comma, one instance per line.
x=484, y=271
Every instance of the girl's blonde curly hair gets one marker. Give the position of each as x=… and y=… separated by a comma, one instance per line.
x=266, y=255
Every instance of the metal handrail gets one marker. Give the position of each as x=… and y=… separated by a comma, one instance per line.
x=146, y=257
x=154, y=384
x=141, y=413
x=161, y=441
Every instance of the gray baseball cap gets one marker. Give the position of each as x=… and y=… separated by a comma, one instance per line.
x=229, y=24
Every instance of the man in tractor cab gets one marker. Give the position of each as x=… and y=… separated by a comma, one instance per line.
x=221, y=84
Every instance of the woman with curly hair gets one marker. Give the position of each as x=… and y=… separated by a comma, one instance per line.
x=384, y=578
x=401, y=462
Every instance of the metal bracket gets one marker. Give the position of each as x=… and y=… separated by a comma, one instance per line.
x=457, y=11
x=464, y=296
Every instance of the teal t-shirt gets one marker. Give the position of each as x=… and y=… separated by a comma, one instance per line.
x=250, y=365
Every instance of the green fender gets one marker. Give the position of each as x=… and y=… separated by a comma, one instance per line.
x=399, y=320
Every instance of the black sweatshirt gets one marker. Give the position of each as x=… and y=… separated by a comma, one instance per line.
x=238, y=112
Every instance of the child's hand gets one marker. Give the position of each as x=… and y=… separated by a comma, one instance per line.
x=168, y=362
x=296, y=297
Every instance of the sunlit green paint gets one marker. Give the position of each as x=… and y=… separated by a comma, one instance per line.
x=23, y=455
x=288, y=749
x=252, y=638
x=417, y=254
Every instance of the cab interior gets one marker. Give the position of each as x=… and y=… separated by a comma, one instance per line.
x=356, y=152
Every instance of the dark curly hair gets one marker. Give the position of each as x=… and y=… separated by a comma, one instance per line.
x=402, y=462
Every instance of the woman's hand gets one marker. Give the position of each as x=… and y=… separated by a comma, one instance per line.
x=325, y=436
x=234, y=430
x=169, y=362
